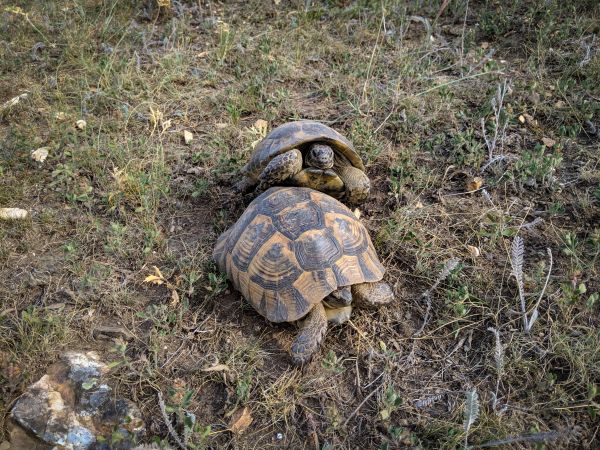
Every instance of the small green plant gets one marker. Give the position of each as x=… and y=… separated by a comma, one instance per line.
x=332, y=363
x=574, y=293
x=364, y=138
x=243, y=387
x=81, y=194
x=217, y=283
x=391, y=402
x=120, y=348
x=495, y=22
x=445, y=93
x=572, y=247
x=592, y=300
x=70, y=248
x=569, y=130
x=571, y=244
x=193, y=436
x=114, y=239
x=234, y=110
x=151, y=238
x=556, y=208
x=402, y=172
x=467, y=149
x=201, y=187
x=596, y=193
x=537, y=166
x=225, y=41
x=160, y=315
x=190, y=280
x=458, y=300
x=201, y=157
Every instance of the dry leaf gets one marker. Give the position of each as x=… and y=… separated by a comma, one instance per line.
x=419, y=205
x=262, y=126
x=157, y=278
x=158, y=272
x=166, y=124
x=529, y=118
x=217, y=368
x=559, y=104
x=188, y=137
x=474, y=184
x=60, y=115
x=221, y=125
x=473, y=251
x=240, y=420
x=40, y=154
x=357, y=213
x=548, y=142
x=153, y=279
x=81, y=124
x=13, y=213
x=174, y=298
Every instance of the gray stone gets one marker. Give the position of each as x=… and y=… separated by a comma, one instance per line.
x=71, y=407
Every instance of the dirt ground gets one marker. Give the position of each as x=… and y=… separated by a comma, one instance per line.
x=479, y=123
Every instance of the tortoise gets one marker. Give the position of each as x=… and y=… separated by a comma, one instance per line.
x=298, y=253
x=307, y=154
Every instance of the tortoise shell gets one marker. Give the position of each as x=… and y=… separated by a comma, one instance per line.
x=291, y=248
x=297, y=135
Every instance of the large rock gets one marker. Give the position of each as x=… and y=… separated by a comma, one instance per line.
x=71, y=407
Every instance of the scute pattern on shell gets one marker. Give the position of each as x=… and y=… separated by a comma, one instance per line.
x=291, y=248
x=295, y=134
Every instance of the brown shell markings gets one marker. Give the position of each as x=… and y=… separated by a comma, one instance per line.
x=296, y=134
x=291, y=248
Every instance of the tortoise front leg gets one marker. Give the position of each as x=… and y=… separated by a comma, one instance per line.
x=245, y=185
x=280, y=169
x=356, y=182
x=310, y=335
x=372, y=294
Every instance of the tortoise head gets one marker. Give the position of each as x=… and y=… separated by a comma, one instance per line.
x=320, y=156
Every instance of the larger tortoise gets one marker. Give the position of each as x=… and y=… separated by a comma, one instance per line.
x=295, y=253
x=308, y=154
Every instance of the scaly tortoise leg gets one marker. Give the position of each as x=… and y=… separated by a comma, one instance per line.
x=244, y=186
x=311, y=334
x=280, y=169
x=367, y=295
x=356, y=183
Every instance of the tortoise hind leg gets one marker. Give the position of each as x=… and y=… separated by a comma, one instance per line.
x=280, y=169
x=372, y=294
x=356, y=182
x=310, y=335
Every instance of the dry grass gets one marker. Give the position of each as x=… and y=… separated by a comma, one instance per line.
x=126, y=194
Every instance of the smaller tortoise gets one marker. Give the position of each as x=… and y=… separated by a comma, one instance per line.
x=295, y=253
x=307, y=154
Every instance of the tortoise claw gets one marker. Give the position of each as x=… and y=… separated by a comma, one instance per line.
x=310, y=336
